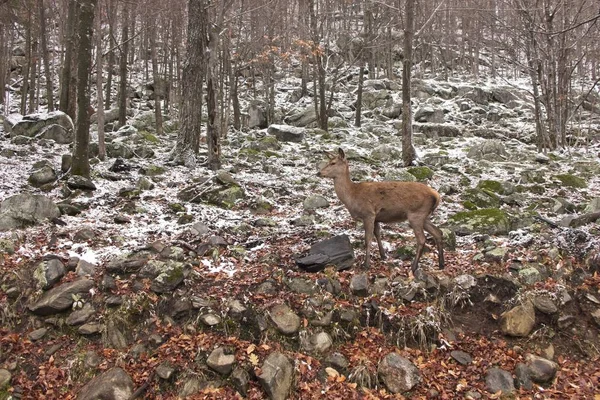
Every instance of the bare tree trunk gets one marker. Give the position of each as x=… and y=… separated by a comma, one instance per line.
x=32, y=74
x=3, y=65
x=100, y=108
x=65, y=81
x=359, y=93
x=409, y=154
x=123, y=66
x=81, y=163
x=111, y=53
x=25, y=88
x=188, y=140
x=46, y=56
x=159, y=84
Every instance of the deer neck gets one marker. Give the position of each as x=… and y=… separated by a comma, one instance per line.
x=344, y=187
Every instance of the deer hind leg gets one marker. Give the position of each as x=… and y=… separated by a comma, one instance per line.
x=438, y=237
x=378, y=238
x=417, y=227
x=369, y=224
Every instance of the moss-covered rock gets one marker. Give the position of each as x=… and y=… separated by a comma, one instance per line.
x=478, y=198
x=421, y=173
x=491, y=221
x=154, y=170
x=490, y=185
x=571, y=181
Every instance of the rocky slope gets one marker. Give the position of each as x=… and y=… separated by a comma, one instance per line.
x=155, y=280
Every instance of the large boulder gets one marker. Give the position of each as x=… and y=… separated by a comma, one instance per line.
x=61, y=297
x=114, y=384
x=26, y=209
x=276, y=377
x=492, y=221
x=32, y=125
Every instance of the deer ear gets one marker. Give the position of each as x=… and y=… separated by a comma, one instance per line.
x=341, y=154
x=329, y=154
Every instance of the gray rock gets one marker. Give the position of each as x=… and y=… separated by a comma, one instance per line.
x=210, y=319
x=32, y=125
x=57, y=133
x=114, y=384
x=302, y=118
x=276, y=376
x=80, y=182
x=499, y=380
x=429, y=114
x=37, y=334
x=596, y=316
x=318, y=342
x=25, y=209
x=300, y=285
x=79, y=317
x=5, y=377
x=492, y=150
x=169, y=278
x=85, y=268
x=541, y=370
x=359, y=285
x=530, y=275
x=336, y=251
x=240, y=378
x=60, y=298
x=115, y=337
x=91, y=328
x=522, y=377
x=462, y=357
x=287, y=133
x=285, y=319
x=519, y=321
x=257, y=115
x=165, y=371
x=49, y=273
x=315, y=201
x=545, y=304
x=398, y=373
x=42, y=176
x=118, y=149
x=491, y=221
x=221, y=362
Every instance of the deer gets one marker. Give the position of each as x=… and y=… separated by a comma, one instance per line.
x=374, y=203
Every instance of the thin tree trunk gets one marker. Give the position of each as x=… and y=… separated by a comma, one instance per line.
x=81, y=164
x=99, y=91
x=46, y=56
x=159, y=84
x=359, y=93
x=123, y=66
x=25, y=88
x=188, y=140
x=111, y=53
x=409, y=154
x=32, y=75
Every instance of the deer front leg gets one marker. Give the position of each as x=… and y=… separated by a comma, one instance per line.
x=378, y=238
x=369, y=224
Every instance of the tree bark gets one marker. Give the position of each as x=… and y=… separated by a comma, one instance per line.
x=100, y=108
x=409, y=154
x=81, y=164
x=159, y=84
x=188, y=140
x=46, y=56
x=65, y=100
x=123, y=66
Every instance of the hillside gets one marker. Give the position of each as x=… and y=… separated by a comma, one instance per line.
x=168, y=281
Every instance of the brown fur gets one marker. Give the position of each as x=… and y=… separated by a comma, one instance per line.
x=390, y=201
